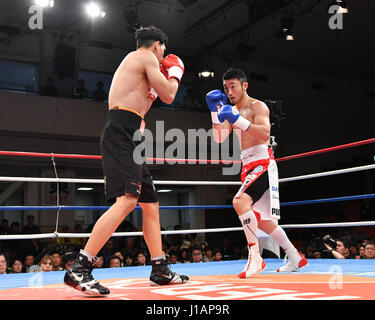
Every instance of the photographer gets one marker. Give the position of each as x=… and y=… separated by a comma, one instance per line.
x=337, y=248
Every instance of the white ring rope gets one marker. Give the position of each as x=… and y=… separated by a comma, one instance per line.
x=179, y=182
x=165, y=182
x=140, y=233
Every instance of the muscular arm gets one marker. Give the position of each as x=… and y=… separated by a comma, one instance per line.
x=221, y=131
x=261, y=126
x=166, y=89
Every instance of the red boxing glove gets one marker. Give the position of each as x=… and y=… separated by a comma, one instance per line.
x=174, y=66
x=163, y=71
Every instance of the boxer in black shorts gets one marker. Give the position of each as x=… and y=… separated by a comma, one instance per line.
x=121, y=173
x=143, y=75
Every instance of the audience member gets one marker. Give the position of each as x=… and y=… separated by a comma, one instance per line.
x=3, y=264
x=369, y=250
x=99, y=94
x=114, y=262
x=173, y=258
x=56, y=261
x=361, y=252
x=217, y=256
x=141, y=259
x=68, y=260
x=196, y=255
x=28, y=261
x=340, y=252
x=184, y=255
x=207, y=257
x=129, y=261
x=49, y=89
x=17, y=266
x=46, y=264
x=100, y=262
x=79, y=91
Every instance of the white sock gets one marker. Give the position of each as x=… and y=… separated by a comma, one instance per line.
x=281, y=238
x=250, y=225
x=88, y=255
x=158, y=257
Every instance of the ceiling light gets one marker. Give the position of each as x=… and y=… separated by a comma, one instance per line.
x=44, y=3
x=164, y=190
x=206, y=74
x=85, y=189
x=94, y=10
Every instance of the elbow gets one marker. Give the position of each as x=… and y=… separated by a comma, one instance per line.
x=168, y=99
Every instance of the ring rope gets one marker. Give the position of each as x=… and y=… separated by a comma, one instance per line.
x=179, y=182
x=168, y=232
x=96, y=157
x=191, y=207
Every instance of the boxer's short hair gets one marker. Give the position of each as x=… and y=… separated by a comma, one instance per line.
x=146, y=36
x=233, y=73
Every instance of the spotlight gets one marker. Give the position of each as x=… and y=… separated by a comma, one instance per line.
x=164, y=190
x=94, y=10
x=44, y=3
x=343, y=7
x=286, y=28
x=206, y=74
x=85, y=189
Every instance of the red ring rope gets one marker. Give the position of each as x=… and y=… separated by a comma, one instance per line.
x=79, y=156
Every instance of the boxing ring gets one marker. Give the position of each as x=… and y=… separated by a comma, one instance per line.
x=322, y=279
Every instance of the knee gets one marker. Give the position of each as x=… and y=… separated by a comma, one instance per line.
x=242, y=203
x=126, y=203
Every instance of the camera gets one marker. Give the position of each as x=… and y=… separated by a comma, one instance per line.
x=318, y=244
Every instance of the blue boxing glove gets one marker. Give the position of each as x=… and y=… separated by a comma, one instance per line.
x=232, y=115
x=215, y=99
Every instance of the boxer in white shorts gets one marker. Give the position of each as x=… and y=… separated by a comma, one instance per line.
x=257, y=200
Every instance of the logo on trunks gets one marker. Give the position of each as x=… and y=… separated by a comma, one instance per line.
x=257, y=169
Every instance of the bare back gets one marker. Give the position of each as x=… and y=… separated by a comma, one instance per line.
x=130, y=85
x=257, y=113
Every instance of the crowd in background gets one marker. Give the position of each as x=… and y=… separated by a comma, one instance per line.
x=55, y=255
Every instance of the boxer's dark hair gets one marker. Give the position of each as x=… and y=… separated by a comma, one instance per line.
x=233, y=73
x=148, y=35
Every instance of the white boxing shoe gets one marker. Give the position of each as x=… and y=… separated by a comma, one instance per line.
x=296, y=261
x=255, y=263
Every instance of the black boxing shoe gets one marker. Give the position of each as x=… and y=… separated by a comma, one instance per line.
x=162, y=275
x=79, y=277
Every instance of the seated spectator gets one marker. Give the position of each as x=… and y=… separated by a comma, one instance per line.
x=46, y=264
x=17, y=266
x=120, y=255
x=99, y=94
x=28, y=262
x=208, y=255
x=217, y=256
x=353, y=252
x=173, y=259
x=361, y=252
x=49, y=89
x=100, y=262
x=184, y=255
x=15, y=247
x=68, y=260
x=196, y=255
x=141, y=259
x=245, y=253
x=129, y=261
x=3, y=264
x=79, y=91
x=4, y=227
x=114, y=262
x=370, y=250
x=56, y=261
